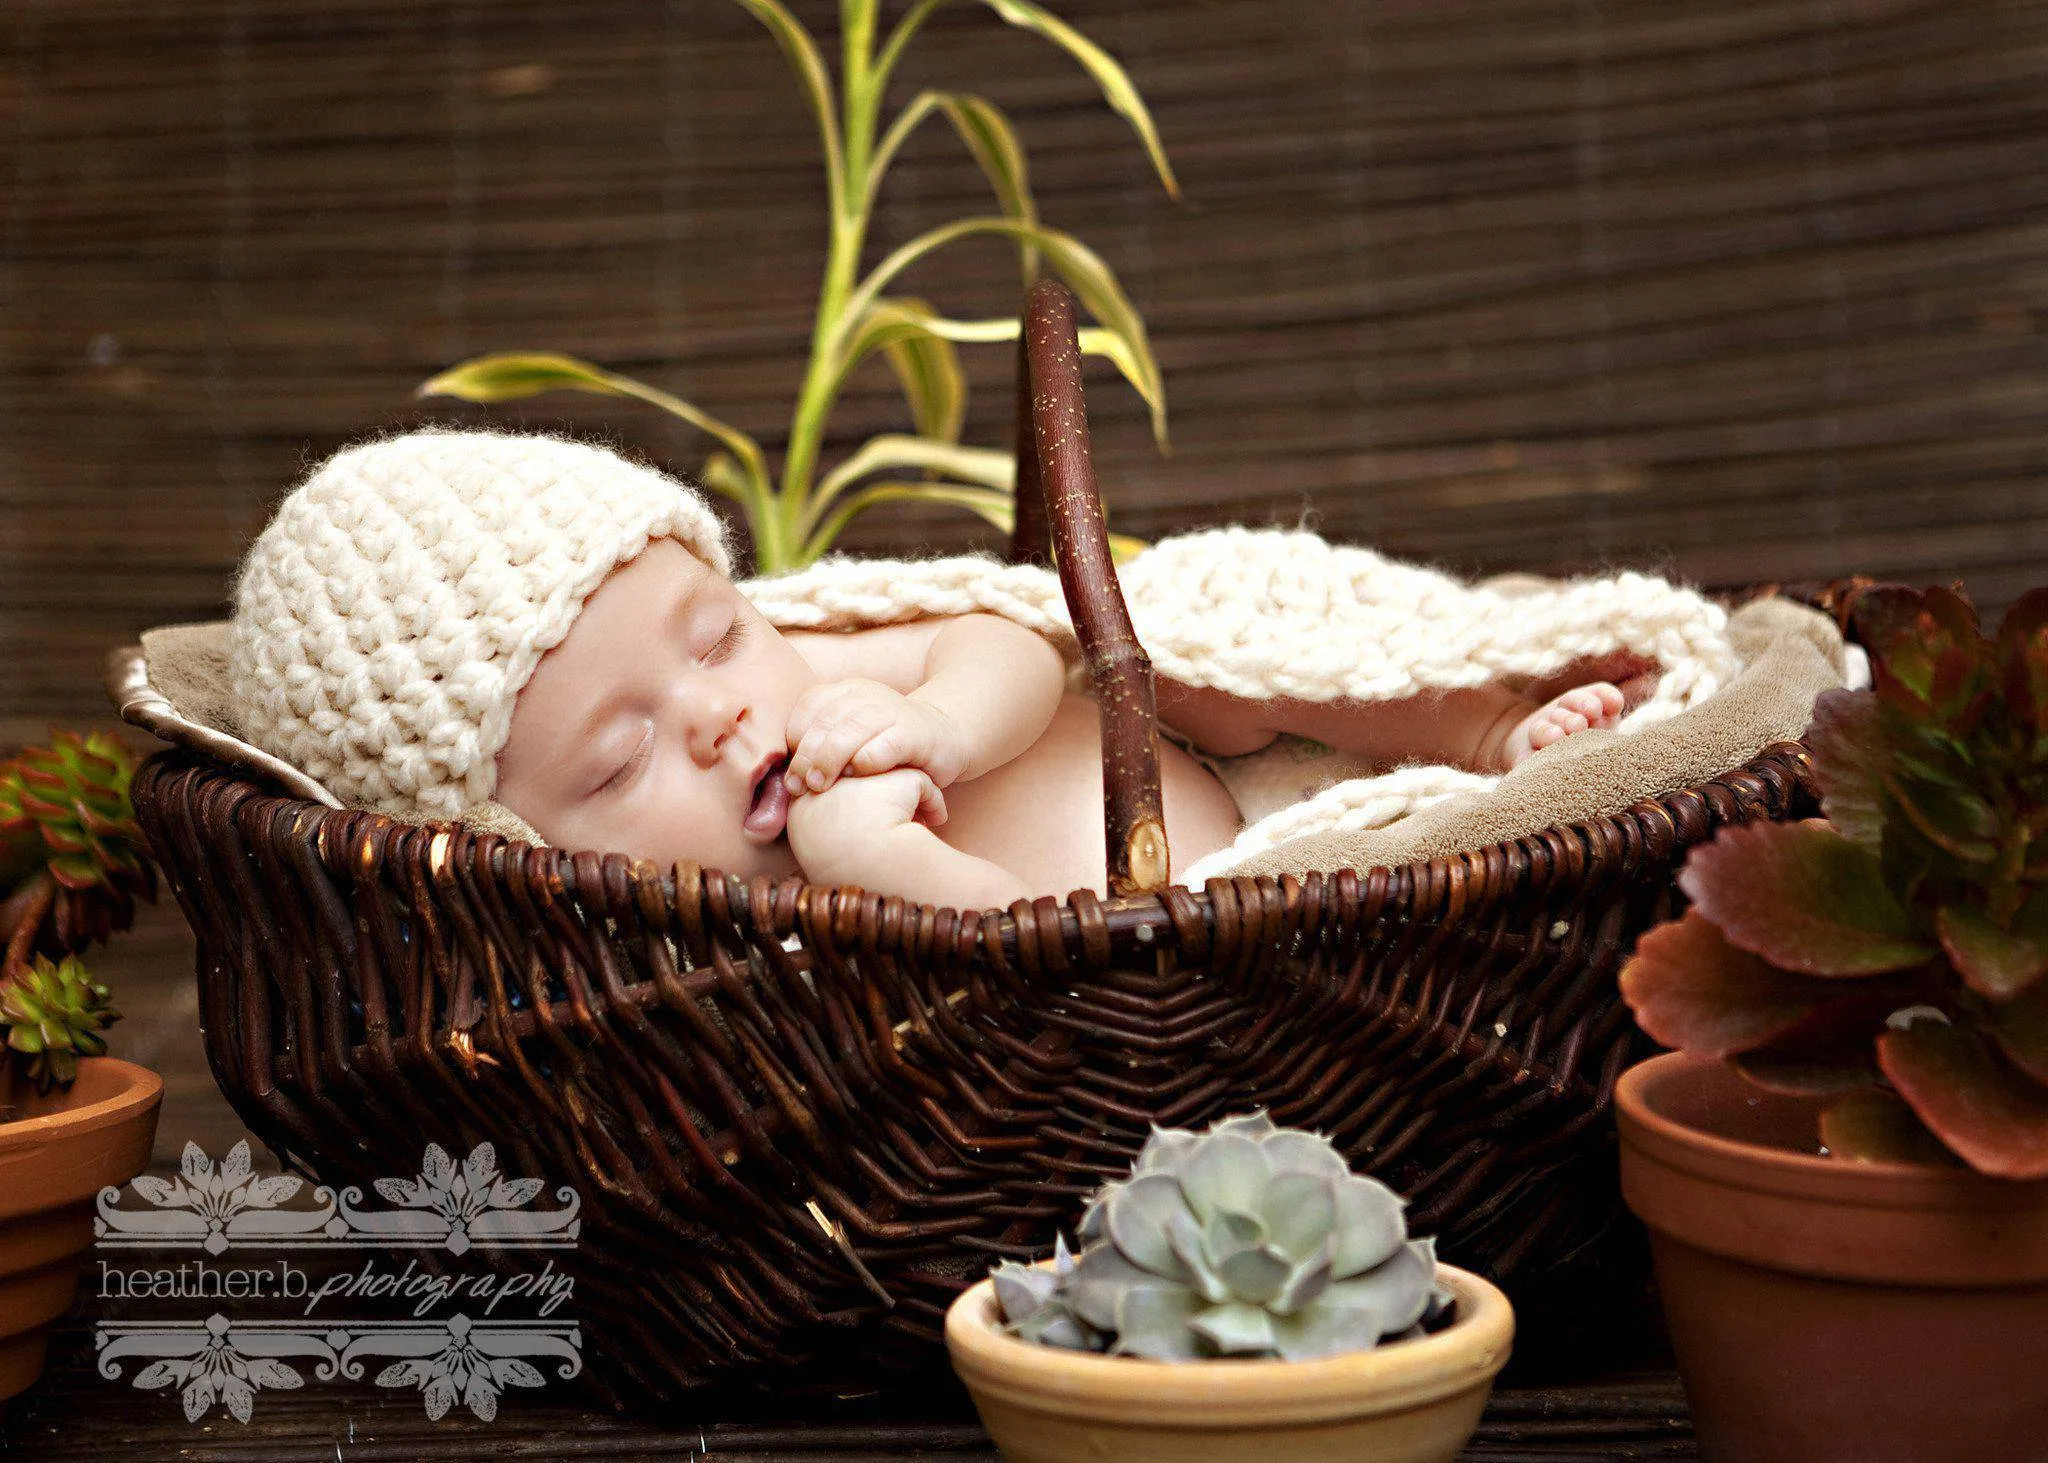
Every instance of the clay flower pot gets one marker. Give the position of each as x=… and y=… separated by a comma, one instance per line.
x=53, y=1163
x=1411, y=1401
x=1824, y=1309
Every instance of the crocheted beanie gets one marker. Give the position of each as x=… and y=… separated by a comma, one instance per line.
x=388, y=615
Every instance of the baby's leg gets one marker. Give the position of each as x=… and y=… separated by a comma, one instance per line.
x=1487, y=728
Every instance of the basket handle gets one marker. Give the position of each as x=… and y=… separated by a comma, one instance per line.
x=1056, y=485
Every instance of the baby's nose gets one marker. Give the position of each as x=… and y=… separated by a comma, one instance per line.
x=713, y=728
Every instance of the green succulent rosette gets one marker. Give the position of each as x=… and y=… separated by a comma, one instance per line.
x=53, y=1014
x=1245, y=1240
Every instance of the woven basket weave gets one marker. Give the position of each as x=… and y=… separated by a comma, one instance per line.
x=801, y=1118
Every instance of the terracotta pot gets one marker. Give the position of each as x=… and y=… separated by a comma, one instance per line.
x=1823, y=1309
x=1405, y=1402
x=52, y=1165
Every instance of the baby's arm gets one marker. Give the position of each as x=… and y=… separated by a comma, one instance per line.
x=953, y=697
x=876, y=832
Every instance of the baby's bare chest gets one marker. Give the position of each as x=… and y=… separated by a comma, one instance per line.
x=1040, y=814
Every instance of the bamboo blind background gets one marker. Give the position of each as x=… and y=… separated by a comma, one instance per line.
x=1733, y=290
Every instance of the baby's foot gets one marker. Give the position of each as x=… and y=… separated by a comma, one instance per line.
x=1599, y=704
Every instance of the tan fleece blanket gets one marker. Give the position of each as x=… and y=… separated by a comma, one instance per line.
x=1211, y=608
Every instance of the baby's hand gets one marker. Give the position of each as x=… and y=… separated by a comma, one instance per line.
x=862, y=728
x=834, y=833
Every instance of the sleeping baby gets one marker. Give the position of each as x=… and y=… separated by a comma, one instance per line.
x=444, y=618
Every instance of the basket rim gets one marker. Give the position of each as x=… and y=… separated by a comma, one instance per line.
x=1155, y=920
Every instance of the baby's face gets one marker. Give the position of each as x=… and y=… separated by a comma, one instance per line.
x=656, y=727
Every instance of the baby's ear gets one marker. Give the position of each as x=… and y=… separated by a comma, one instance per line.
x=494, y=817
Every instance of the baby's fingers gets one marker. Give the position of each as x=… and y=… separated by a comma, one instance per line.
x=822, y=754
x=893, y=746
x=931, y=803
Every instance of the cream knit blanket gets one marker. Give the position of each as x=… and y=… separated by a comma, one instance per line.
x=1272, y=613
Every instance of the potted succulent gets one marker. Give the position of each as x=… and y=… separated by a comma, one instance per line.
x=1845, y=1170
x=1243, y=1294
x=72, y=1119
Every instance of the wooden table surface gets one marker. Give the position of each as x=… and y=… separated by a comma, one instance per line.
x=75, y=1416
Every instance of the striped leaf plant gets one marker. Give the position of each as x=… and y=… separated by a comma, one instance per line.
x=796, y=519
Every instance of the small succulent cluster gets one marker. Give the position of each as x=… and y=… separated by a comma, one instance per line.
x=1894, y=957
x=73, y=862
x=1245, y=1240
x=54, y=1015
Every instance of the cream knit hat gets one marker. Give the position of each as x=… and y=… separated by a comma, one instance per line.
x=387, y=617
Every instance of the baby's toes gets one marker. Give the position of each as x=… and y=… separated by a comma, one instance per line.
x=1610, y=700
x=1582, y=702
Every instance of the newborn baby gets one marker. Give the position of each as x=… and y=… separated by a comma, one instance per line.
x=442, y=618
x=939, y=760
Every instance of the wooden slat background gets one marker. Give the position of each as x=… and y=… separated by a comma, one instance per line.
x=1733, y=290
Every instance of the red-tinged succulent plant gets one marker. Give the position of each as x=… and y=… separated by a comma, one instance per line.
x=73, y=862
x=1893, y=956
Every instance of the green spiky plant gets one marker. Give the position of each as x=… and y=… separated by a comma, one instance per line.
x=1246, y=1239
x=1894, y=957
x=795, y=522
x=73, y=862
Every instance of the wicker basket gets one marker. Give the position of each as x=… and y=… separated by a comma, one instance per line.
x=802, y=1118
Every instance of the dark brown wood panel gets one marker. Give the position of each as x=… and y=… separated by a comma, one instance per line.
x=1731, y=290
x=1599, y=1418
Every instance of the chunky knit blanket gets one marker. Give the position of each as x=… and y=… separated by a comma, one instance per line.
x=1269, y=613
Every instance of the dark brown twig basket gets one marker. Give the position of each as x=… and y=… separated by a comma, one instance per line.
x=801, y=1118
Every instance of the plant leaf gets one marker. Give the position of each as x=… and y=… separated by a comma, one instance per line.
x=801, y=51
x=929, y=372
x=986, y=503
x=723, y=474
x=1850, y=759
x=1299, y=1210
x=1994, y=962
x=514, y=376
x=1235, y=1328
x=1807, y=1076
x=1092, y=281
x=1803, y=897
x=1225, y=1172
x=1117, y=89
x=1690, y=988
x=2023, y=666
x=890, y=318
x=1952, y=818
x=1370, y=1229
x=1138, y=1221
x=1255, y=1275
x=1833, y=1048
x=1875, y=1125
x=2020, y=1027
x=1152, y=1322
x=1926, y=648
x=985, y=466
x=989, y=138
x=992, y=142
x=1992, y=1114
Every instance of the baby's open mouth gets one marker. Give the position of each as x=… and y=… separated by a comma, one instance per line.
x=769, y=810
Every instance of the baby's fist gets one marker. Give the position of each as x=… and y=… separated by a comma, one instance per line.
x=834, y=833
x=862, y=728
